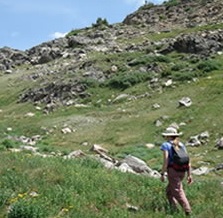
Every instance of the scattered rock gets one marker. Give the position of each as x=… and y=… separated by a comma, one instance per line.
x=29, y=148
x=219, y=167
x=98, y=149
x=156, y=106
x=219, y=143
x=30, y=114
x=150, y=146
x=9, y=129
x=168, y=83
x=198, y=140
x=125, y=168
x=120, y=98
x=33, y=194
x=136, y=164
x=66, y=130
x=201, y=171
x=132, y=208
x=75, y=154
x=185, y=101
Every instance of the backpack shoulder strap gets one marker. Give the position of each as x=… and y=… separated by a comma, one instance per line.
x=172, y=146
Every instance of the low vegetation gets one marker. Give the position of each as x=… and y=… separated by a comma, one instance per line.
x=36, y=187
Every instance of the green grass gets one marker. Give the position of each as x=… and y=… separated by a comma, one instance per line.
x=83, y=188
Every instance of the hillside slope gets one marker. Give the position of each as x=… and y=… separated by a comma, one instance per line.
x=118, y=86
x=100, y=78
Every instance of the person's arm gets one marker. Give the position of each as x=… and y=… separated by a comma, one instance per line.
x=189, y=177
x=165, y=164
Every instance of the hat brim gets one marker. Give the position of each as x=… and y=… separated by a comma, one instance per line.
x=172, y=134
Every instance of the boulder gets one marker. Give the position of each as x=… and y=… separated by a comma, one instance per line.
x=219, y=143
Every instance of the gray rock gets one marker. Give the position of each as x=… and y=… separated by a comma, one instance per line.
x=201, y=171
x=136, y=164
x=185, y=101
x=219, y=143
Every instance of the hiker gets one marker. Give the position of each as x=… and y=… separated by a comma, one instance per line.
x=174, y=191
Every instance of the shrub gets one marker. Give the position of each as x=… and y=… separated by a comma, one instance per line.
x=162, y=17
x=147, y=6
x=126, y=80
x=161, y=58
x=26, y=209
x=178, y=67
x=146, y=59
x=142, y=60
x=166, y=73
x=4, y=196
x=100, y=23
x=207, y=66
x=90, y=83
x=8, y=143
x=172, y=3
x=90, y=163
x=183, y=76
x=74, y=32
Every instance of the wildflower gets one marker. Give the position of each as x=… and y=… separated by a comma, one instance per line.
x=13, y=200
x=22, y=195
x=33, y=194
x=65, y=210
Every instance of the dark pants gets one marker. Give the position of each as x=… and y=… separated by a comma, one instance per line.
x=175, y=192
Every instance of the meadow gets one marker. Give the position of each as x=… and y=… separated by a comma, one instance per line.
x=37, y=187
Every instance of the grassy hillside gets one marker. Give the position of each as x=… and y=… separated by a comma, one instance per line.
x=33, y=186
x=37, y=187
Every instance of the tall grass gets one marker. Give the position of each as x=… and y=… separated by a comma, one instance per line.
x=37, y=187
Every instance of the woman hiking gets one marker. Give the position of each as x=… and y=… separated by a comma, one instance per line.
x=175, y=174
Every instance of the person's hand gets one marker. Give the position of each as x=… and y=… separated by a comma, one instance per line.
x=189, y=179
x=162, y=178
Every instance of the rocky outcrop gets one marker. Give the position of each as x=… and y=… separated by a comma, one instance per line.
x=55, y=61
x=149, y=18
x=55, y=93
x=180, y=15
x=205, y=43
x=9, y=58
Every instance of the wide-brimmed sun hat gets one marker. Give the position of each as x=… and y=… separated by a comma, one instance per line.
x=171, y=131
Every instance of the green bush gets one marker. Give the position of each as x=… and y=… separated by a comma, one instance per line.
x=90, y=163
x=7, y=143
x=74, y=32
x=172, y=3
x=162, y=58
x=183, y=76
x=178, y=67
x=100, y=23
x=147, y=6
x=26, y=209
x=142, y=60
x=207, y=66
x=5, y=194
x=166, y=73
x=126, y=80
x=90, y=83
x=147, y=59
x=139, y=151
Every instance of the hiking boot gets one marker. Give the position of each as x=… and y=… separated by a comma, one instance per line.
x=187, y=213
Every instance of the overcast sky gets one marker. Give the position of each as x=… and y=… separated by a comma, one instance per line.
x=27, y=23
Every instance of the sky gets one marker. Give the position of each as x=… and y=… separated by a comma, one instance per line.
x=27, y=23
